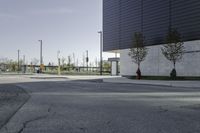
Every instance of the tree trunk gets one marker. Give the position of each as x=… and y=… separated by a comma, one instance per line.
x=174, y=65
x=138, y=72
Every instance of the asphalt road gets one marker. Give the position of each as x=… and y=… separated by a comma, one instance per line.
x=12, y=99
x=92, y=107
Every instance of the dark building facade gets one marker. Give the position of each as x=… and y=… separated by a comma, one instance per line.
x=122, y=18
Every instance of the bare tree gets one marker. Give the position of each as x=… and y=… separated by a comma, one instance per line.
x=69, y=60
x=96, y=62
x=4, y=60
x=63, y=61
x=138, y=52
x=35, y=61
x=174, y=49
x=106, y=65
x=8, y=64
x=77, y=62
x=74, y=59
x=83, y=59
x=91, y=64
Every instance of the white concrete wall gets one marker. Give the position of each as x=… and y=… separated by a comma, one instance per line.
x=157, y=64
x=114, y=68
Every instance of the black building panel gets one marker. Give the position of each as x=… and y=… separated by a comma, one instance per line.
x=127, y=25
x=155, y=20
x=186, y=18
x=111, y=24
x=122, y=18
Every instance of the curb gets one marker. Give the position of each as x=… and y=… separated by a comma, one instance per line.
x=152, y=84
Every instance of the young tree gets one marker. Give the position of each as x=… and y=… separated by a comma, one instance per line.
x=74, y=59
x=63, y=59
x=63, y=64
x=96, y=62
x=70, y=65
x=106, y=66
x=69, y=60
x=4, y=60
x=173, y=50
x=35, y=61
x=83, y=60
x=138, y=52
x=77, y=62
x=13, y=66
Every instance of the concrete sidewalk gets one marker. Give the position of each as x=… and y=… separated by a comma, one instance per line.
x=188, y=84
x=119, y=79
x=110, y=79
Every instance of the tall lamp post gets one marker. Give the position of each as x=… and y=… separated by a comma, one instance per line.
x=101, y=49
x=18, y=53
x=87, y=59
x=24, y=63
x=58, y=56
x=41, y=58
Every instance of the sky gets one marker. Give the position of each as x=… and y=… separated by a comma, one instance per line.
x=70, y=26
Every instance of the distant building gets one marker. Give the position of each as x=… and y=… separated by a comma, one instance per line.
x=122, y=18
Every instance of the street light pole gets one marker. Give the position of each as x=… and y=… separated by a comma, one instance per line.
x=87, y=59
x=18, y=52
x=101, y=49
x=24, y=63
x=58, y=56
x=41, y=58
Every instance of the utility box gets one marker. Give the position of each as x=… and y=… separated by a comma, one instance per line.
x=114, y=66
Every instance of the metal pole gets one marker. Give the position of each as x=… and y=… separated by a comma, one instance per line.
x=41, y=59
x=58, y=56
x=24, y=63
x=18, y=51
x=101, y=49
x=24, y=59
x=87, y=59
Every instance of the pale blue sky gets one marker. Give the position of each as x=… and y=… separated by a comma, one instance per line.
x=65, y=25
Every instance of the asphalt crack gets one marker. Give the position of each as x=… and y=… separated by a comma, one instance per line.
x=49, y=109
x=30, y=121
x=17, y=93
x=24, y=125
x=162, y=109
x=83, y=129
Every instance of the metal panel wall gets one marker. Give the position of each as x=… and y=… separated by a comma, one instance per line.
x=122, y=18
x=130, y=10
x=111, y=15
x=155, y=20
x=186, y=18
